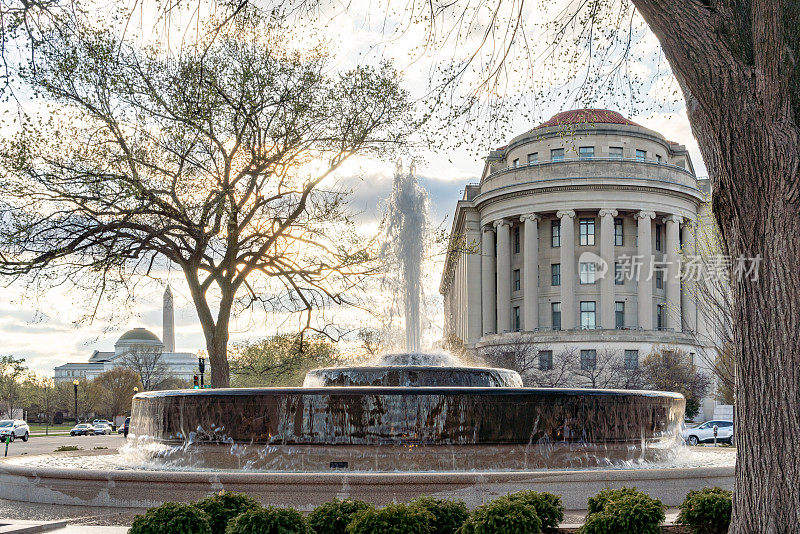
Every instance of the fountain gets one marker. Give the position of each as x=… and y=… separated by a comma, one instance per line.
x=404, y=425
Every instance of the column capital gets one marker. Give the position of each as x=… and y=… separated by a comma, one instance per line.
x=646, y=215
x=565, y=213
x=530, y=217
x=500, y=222
x=605, y=212
x=673, y=218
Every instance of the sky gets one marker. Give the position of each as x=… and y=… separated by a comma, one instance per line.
x=44, y=327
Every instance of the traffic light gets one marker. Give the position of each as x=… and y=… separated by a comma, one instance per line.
x=196, y=382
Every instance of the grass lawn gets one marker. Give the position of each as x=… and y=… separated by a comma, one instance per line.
x=53, y=428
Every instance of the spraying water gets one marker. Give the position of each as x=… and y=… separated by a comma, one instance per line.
x=406, y=224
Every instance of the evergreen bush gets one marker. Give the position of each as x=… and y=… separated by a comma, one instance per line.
x=392, y=519
x=448, y=516
x=269, y=520
x=623, y=511
x=504, y=515
x=548, y=507
x=334, y=516
x=224, y=506
x=707, y=511
x=172, y=518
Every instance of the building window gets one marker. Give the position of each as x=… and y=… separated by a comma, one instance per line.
x=588, y=315
x=588, y=272
x=587, y=231
x=660, y=317
x=618, y=236
x=586, y=152
x=517, y=280
x=516, y=240
x=555, y=274
x=619, y=274
x=658, y=237
x=619, y=315
x=555, y=233
x=557, y=154
x=658, y=158
x=641, y=155
x=517, y=321
x=533, y=158
x=615, y=152
x=545, y=360
x=631, y=359
x=515, y=163
x=555, y=309
x=588, y=359
x=659, y=280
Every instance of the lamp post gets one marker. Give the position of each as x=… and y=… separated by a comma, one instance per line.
x=75, y=387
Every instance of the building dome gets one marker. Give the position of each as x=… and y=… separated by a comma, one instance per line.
x=138, y=335
x=587, y=116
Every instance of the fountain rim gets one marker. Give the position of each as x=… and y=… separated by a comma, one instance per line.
x=412, y=368
x=497, y=391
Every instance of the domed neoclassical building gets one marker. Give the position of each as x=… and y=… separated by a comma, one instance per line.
x=550, y=244
x=141, y=342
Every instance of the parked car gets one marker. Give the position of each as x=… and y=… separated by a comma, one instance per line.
x=704, y=433
x=101, y=421
x=15, y=428
x=83, y=429
x=102, y=428
x=123, y=428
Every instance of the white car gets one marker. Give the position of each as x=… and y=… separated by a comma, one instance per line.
x=15, y=428
x=704, y=433
x=102, y=428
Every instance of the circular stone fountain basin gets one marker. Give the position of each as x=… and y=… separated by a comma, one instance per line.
x=407, y=428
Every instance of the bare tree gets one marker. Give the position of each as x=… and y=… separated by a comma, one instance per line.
x=708, y=283
x=669, y=368
x=148, y=364
x=12, y=374
x=599, y=368
x=211, y=161
x=112, y=391
x=554, y=369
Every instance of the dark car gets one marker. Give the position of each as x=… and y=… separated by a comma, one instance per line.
x=125, y=426
x=83, y=429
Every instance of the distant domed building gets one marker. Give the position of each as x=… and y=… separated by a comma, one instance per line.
x=137, y=341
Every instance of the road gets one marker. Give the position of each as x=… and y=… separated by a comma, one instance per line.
x=45, y=444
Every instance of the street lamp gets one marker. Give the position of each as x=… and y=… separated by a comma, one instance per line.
x=135, y=390
x=75, y=387
x=201, y=366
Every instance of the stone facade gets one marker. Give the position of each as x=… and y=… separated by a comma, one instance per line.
x=558, y=211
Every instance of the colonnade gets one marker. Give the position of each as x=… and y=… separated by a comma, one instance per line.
x=496, y=273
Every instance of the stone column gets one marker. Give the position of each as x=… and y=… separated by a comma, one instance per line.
x=530, y=271
x=488, y=290
x=567, y=268
x=607, y=315
x=688, y=296
x=503, y=275
x=673, y=281
x=645, y=253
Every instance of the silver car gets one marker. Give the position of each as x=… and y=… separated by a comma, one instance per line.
x=14, y=428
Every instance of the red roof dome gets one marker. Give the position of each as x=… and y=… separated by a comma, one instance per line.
x=587, y=116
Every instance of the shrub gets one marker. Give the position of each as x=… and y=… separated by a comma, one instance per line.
x=504, y=515
x=548, y=507
x=334, y=516
x=224, y=506
x=599, y=501
x=624, y=511
x=707, y=511
x=392, y=519
x=172, y=518
x=269, y=520
x=448, y=516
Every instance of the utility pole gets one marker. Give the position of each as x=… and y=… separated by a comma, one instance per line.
x=75, y=387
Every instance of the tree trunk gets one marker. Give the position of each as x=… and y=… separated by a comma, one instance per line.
x=215, y=332
x=736, y=65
